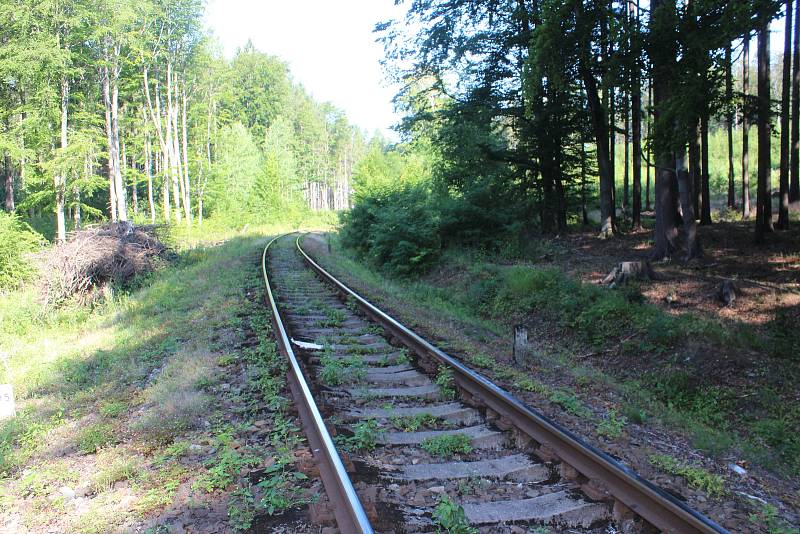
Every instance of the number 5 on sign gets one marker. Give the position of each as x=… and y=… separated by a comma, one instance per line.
x=7, y=408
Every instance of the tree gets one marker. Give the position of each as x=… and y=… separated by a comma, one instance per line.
x=783, y=205
x=663, y=53
x=764, y=195
x=746, y=128
x=729, y=125
x=794, y=185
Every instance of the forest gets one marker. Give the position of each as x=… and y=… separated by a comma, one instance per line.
x=129, y=111
x=539, y=117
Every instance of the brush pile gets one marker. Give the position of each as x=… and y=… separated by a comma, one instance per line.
x=96, y=257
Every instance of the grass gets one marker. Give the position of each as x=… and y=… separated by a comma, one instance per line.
x=113, y=467
x=120, y=392
x=696, y=477
x=489, y=297
x=338, y=371
x=448, y=445
x=93, y=437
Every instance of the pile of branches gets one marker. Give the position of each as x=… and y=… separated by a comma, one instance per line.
x=96, y=257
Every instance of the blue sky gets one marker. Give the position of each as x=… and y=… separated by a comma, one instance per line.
x=328, y=44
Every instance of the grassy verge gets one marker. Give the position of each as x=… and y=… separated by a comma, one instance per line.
x=492, y=297
x=160, y=401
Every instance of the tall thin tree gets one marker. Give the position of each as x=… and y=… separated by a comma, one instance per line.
x=745, y=129
x=729, y=126
x=763, y=196
x=783, y=205
x=794, y=182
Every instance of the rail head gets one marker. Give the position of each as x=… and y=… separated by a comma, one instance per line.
x=643, y=497
x=347, y=508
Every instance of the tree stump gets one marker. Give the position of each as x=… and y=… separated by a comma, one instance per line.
x=630, y=270
x=727, y=291
x=521, y=348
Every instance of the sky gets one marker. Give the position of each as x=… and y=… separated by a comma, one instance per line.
x=331, y=50
x=329, y=46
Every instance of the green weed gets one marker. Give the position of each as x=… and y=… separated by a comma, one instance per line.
x=483, y=361
x=338, y=371
x=334, y=318
x=446, y=383
x=611, y=427
x=281, y=490
x=94, y=437
x=241, y=509
x=450, y=518
x=448, y=445
x=415, y=422
x=223, y=469
x=769, y=518
x=113, y=408
x=365, y=436
x=696, y=477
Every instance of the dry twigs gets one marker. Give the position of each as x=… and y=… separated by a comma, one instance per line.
x=95, y=257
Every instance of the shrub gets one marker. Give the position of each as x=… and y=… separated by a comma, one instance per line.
x=396, y=229
x=17, y=242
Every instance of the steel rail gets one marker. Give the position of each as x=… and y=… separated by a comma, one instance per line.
x=656, y=506
x=347, y=508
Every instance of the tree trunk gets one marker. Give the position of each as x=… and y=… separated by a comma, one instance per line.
x=9, y=175
x=626, y=192
x=111, y=101
x=705, y=216
x=695, y=171
x=148, y=169
x=612, y=149
x=60, y=178
x=764, y=192
x=783, y=206
x=122, y=206
x=161, y=164
x=649, y=148
x=607, y=215
x=745, y=130
x=636, y=103
x=584, y=213
x=636, y=119
x=187, y=205
x=794, y=183
x=172, y=146
x=666, y=232
x=729, y=126
x=687, y=196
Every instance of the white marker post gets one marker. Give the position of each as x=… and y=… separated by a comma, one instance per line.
x=7, y=406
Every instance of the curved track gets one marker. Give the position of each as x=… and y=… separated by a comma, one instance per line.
x=398, y=406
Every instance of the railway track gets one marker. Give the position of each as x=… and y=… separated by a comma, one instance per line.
x=422, y=435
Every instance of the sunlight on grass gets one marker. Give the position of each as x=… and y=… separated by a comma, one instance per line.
x=129, y=374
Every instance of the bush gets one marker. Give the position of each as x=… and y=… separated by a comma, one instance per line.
x=396, y=229
x=17, y=242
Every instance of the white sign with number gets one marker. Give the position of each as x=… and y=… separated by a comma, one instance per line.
x=7, y=407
